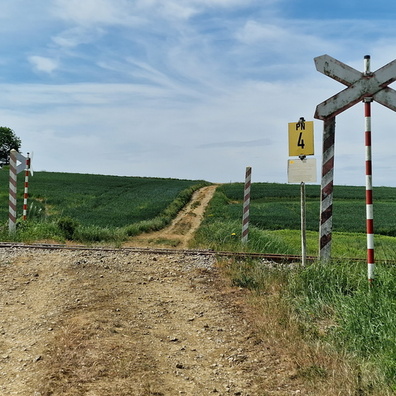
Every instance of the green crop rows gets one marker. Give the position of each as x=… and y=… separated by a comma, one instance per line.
x=97, y=204
x=277, y=206
x=275, y=220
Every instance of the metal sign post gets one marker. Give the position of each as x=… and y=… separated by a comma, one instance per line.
x=301, y=144
x=369, y=182
x=303, y=225
x=367, y=86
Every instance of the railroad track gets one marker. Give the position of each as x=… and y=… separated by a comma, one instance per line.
x=279, y=258
x=276, y=258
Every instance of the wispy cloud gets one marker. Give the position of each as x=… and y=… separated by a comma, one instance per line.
x=181, y=88
x=89, y=13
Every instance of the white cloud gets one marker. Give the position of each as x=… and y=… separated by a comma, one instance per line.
x=43, y=64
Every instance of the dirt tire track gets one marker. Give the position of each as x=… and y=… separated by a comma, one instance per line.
x=179, y=233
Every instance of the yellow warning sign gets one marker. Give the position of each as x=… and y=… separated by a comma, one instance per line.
x=301, y=138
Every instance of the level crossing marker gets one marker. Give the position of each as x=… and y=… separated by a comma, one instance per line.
x=15, y=168
x=363, y=86
x=26, y=186
x=246, y=204
x=12, y=199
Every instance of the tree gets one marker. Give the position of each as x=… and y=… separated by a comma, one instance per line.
x=8, y=141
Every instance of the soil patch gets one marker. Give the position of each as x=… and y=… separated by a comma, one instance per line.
x=182, y=228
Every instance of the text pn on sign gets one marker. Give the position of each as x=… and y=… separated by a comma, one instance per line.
x=301, y=138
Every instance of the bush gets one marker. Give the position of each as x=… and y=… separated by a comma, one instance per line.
x=68, y=227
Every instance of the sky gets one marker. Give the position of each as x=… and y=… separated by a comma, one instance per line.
x=189, y=89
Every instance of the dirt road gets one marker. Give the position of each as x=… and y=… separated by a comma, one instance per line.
x=112, y=323
x=183, y=227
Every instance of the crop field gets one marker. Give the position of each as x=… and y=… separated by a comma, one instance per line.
x=275, y=219
x=277, y=206
x=98, y=202
x=98, y=208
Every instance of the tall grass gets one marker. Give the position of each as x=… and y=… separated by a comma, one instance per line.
x=359, y=319
x=340, y=331
x=348, y=329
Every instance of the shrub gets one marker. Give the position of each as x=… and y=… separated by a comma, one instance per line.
x=67, y=226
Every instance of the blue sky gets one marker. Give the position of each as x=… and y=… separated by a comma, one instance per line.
x=195, y=89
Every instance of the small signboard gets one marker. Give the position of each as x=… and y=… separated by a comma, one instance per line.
x=301, y=171
x=301, y=138
x=21, y=166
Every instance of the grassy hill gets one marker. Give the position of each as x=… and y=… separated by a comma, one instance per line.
x=94, y=208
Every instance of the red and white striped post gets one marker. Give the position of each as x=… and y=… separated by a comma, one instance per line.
x=326, y=202
x=26, y=189
x=12, y=192
x=369, y=180
x=246, y=205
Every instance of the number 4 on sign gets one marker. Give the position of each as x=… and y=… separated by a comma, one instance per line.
x=301, y=138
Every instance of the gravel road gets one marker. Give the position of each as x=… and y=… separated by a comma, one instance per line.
x=128, y=323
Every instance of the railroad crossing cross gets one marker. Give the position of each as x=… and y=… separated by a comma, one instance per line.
x=360, y=85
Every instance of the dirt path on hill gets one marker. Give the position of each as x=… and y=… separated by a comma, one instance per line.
x=183, y=227
x=124, y=323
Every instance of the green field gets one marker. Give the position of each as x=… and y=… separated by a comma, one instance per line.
x=359, y=320
x=99, y=207
x=277, y=206
x=111, y=208
x=275, y=220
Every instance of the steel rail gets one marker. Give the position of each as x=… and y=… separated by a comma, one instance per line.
x=266, y=256
x=276, y=258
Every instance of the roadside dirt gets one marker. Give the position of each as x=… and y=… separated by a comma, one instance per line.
x=183, y=227
x=112, y=323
